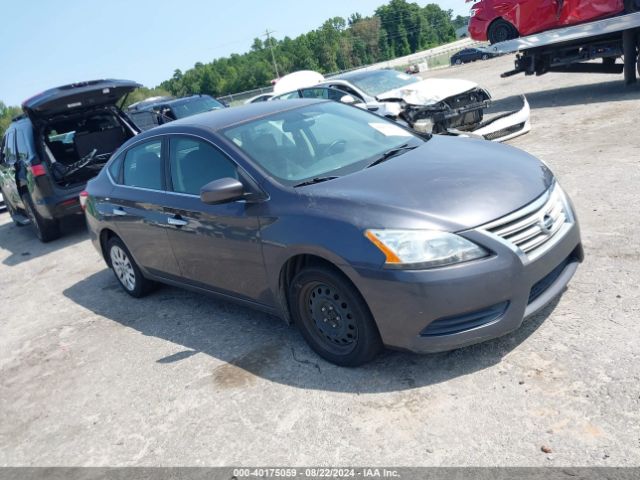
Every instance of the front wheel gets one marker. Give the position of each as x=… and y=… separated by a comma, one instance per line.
x=333, y=318
x=501, y=31
x=126, y=270
x=458, y=61
x=46, y=230
x=485, y=57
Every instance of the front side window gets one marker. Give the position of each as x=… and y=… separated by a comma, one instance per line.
x=143, y=166
x=324, y=139
x=288, y=96
x=194, y=163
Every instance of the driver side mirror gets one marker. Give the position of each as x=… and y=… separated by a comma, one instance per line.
x=348, y=99
x=221, y=191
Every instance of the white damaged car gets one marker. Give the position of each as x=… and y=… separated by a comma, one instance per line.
x=444, y=106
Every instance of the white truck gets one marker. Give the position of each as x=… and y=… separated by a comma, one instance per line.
x=573, y=49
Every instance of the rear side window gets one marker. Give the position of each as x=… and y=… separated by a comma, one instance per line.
x=9, y=152
x=115, y=169
x=21, y=147
x=143, y=166
x=194, y=163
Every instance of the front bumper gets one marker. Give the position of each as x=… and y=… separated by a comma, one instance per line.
x=430, y=310
x=502, y=127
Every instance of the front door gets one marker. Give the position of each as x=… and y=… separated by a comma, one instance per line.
x=137, y=209
x=217, y=246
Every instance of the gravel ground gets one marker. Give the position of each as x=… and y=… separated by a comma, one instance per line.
x=89, y=376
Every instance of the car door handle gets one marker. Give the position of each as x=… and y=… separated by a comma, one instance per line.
x=177, y=221
x=119, y=212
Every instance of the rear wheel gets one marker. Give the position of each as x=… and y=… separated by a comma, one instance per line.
x=630, y=52
x=501, y=31
x=333, y=318
x=12, y=213
x=126, y=270
x=485, y=56
x=46, y=230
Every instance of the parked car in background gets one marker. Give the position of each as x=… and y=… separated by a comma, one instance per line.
x=149, y=114
x=64, y=138
x=434, y=105
x=354, y=228
x=467, y=55
x=500, y=20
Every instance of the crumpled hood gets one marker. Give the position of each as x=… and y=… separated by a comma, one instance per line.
x=429, y=91
x=450, y=184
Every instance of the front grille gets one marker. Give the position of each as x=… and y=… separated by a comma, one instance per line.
x=471, y=98
x=532, y=227
x=462, y=323
x=543, y=285
x=504, y=132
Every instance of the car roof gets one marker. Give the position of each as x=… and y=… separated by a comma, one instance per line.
x=223, y=118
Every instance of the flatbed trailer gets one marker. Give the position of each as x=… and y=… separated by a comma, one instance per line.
x=573, y=49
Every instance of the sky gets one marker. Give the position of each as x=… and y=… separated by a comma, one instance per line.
x=44, y=44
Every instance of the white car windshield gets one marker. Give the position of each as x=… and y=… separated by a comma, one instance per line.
x=318, y=140
x=381, y=81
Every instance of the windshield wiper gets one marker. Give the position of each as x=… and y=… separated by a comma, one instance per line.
x=391, y=153
x=313, y=181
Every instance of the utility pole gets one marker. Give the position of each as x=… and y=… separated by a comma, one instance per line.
x=273, y=55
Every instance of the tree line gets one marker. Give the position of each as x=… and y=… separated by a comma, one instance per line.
x=396, y=29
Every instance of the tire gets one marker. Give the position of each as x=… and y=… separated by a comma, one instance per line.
x=347, y=335
x=458, y=61
x=485, y=57
x=629, y=50
x=12, y=214
x=501, y=31
x=631, y=6
x=126, y=269
x=46, y=230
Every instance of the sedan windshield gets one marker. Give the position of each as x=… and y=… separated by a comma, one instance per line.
x=381, y=81
x=318, y=140
x=192, y=106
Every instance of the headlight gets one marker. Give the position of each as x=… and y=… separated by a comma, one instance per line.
x=473, y=12
x=423, y=248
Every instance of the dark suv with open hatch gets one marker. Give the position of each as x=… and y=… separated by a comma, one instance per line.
x=62, y=140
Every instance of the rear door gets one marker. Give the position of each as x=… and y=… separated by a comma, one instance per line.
x=8, y=162
x=531, y=16
x=217, y=246
x=137, y=208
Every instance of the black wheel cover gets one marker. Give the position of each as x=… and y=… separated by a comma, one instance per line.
x=328, y=317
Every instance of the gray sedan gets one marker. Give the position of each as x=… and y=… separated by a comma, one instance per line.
x=355, y=229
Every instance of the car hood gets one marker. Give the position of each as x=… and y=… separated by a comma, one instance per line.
x=429, y=91
x=77, y=96
x=450, y=184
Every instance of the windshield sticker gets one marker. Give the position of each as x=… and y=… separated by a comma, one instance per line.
x=390, y=130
